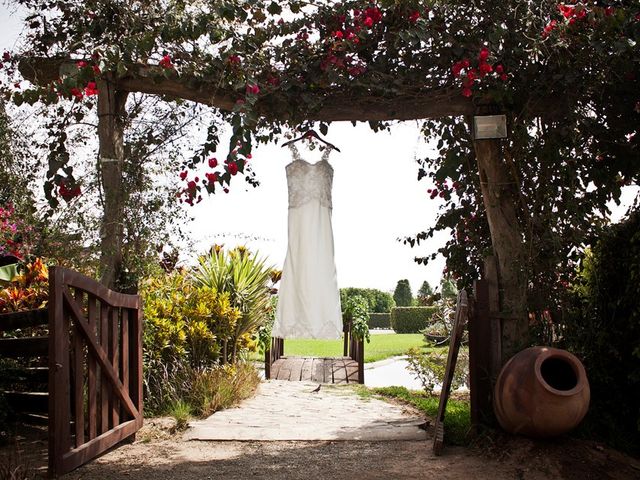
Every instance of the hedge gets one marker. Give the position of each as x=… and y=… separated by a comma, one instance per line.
x=379, y=320
x=411, y=319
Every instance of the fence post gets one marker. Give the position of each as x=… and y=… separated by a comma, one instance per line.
x=480, y=384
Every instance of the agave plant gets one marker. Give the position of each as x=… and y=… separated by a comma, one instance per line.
x=245, y=277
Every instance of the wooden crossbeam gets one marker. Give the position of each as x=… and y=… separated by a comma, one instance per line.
x=335, y=104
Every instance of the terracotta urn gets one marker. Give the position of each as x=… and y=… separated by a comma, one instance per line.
x=541, y=392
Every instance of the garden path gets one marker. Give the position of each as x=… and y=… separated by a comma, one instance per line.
x=283, y=410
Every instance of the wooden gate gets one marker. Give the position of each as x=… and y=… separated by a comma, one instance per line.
x=95, y=368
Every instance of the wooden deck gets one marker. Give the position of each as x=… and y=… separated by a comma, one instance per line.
x=313, y=369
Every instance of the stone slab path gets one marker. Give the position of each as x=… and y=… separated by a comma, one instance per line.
x=283, y=410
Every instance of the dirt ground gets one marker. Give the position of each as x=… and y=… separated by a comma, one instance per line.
x=159, y=453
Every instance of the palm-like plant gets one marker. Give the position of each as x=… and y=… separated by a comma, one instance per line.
x=245, y=276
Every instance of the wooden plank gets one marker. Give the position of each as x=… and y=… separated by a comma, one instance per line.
x=78, y=370
x=80, y=455
x=495, y=324
x=480, y=382
x=339, y=371
x=275, y=368
x=104, y=387
x=305, y=374
x=28, y=319
x=59, y=401
x=24, y=347
x=124, y=351
x=114, y=405
x=92, y=393
x=136, y=362
x=454, y=347
x=284, y=373
x=32, y=402
x=296, y=369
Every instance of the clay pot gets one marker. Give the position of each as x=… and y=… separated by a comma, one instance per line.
x=541, y=392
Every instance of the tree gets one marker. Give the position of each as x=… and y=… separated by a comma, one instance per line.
x=402, y=294
x=448, y=289
x=377, y=300
x=357, y=60
x=425, y=293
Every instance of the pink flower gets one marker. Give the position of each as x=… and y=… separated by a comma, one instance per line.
x=232, y=168
x=166, y=62
x=90, y=89
x=484, y=54
x=212, y=177
x=213, y=162
x=339, y=35
x=253, y=89
x=81, y=64
x=368, y=21
x=76, y=92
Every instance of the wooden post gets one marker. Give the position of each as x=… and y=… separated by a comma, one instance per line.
x=499, y=193
x=495, y=322
x=480, y=340
x=111, y=116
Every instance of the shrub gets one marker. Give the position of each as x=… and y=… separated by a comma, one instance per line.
x=379, y=320
x=402, y=294
x=429, y=367
x=603, y=329
x=411, y=319
x=377, y=300
x=354, y=310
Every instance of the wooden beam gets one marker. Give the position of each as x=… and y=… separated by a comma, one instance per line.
x=334, y=105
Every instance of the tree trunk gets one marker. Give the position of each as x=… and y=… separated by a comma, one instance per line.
x=499, y=193
x=111, y=118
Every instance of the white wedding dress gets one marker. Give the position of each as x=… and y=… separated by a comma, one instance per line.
x=309, y=300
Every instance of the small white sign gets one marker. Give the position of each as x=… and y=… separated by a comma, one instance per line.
x=489, y=126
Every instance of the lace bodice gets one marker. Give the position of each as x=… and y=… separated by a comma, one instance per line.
x=309, y=181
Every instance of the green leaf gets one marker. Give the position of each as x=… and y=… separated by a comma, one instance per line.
x=274, y=8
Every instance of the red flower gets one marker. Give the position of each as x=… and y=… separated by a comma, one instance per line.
x=76, y=92
x=339, y=35
x=253, y=89
x=466, y=92
x=249, y=156
x=6, y=56
x=567, y=10
x=608, y=11
x=457, y=68
x=213, y=162
x=368, y=21
x=81, y=64
x=212, y=177
x=549, y=28
x=96, y=69
x=414, y=16
x=166, y=62
x=183, y=175
x=499, y=69
x=233, y=59
x=90, y=89
x=465, y=63
x=484, y=54
x=232, y=168
x=485, y=68
x=68, y=192
x=191, y=185
x=504, y=77
x=472, y=74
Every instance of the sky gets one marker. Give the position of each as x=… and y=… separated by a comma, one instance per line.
x=376, y=200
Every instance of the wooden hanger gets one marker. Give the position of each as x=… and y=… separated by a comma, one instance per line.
x=310, y=134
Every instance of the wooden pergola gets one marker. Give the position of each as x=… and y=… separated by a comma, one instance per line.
x=496, y=181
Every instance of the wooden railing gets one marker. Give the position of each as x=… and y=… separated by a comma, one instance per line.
x=94, y=350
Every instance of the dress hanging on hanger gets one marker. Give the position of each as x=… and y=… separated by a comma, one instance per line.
x=309, y=299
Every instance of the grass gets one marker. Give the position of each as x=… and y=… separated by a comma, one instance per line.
x=457, y=420
x=382, y=346
x=181, y=411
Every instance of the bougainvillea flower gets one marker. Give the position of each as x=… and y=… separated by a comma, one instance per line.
x=76, y=92
x=484, y=54
x=466, y=92
x=166, y=62
x=414, y=16
x=213, y=162
x=81, y=64
x=90, y=89
x=232, y=167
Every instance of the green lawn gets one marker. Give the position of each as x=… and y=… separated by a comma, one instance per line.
x=381, y=346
